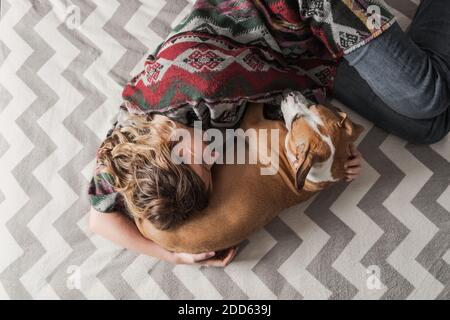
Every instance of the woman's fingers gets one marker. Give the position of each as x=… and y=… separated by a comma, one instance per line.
x=353, y=166
x=203, y=256
x=222, y=262
x=353, y=170
x=230, y=256
x=206, y=258
x=352, y=162
x=213, y=263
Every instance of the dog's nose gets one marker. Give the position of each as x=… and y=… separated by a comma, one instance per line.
x=297, y=96
x=287, y=93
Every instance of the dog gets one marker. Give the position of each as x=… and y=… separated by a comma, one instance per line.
x=317, y=141
x=313, y=145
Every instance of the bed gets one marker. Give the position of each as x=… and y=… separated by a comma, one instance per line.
x=62, y=67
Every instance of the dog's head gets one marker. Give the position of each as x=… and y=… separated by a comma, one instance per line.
x=318, y=140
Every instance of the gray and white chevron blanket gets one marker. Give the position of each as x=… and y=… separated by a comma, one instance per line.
x=63, y=65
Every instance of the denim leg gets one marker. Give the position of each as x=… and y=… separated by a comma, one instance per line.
x=403, y=75
x=401, y=81
x=430, y=31
x=355, y=92
x=411, y=71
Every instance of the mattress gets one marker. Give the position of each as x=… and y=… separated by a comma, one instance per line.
x=62, y=67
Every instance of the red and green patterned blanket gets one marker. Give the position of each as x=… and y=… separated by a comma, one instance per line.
x=225, y=53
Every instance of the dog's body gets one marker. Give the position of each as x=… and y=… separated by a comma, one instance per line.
x=311, y=157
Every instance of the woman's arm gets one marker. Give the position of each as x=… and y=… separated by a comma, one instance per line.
x=123, y=232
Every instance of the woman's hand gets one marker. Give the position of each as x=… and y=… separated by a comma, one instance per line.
x=353, y=166
x=213, y=259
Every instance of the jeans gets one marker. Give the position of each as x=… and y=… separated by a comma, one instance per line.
x=401, y=81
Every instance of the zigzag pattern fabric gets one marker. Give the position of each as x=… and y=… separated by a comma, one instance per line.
x=384, y=236
x=225, y=53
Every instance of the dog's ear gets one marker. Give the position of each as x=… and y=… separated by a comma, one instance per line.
x=344, y=117
x=303, y=164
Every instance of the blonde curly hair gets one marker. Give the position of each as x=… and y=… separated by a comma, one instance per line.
x=138, y=156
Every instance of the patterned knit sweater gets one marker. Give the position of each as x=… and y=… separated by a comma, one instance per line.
x=226, y=53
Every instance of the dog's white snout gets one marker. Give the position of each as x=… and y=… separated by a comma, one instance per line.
x=286, y=94
x=294, y=105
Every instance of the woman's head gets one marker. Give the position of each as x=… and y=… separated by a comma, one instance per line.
x=138, y=156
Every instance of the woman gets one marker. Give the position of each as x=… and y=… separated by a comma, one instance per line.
x=136, y=179
x=406, y=91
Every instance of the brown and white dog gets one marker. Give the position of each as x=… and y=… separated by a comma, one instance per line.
x=312, y=151
x=317, y=141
